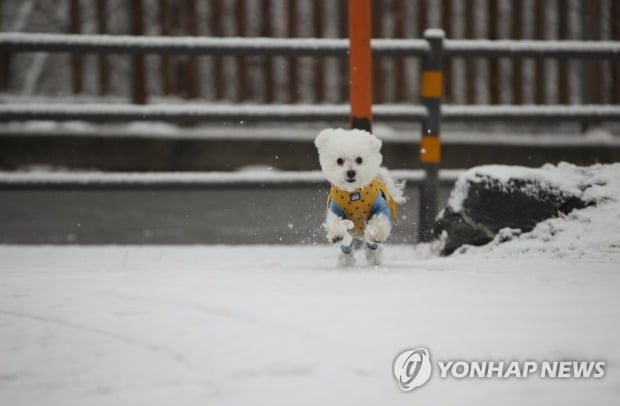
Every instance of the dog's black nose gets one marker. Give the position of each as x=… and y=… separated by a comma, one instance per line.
x=351, y=173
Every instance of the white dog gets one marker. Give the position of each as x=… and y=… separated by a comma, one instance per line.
x=363, y=196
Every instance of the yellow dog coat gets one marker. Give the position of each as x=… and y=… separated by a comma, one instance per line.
x=357, y=205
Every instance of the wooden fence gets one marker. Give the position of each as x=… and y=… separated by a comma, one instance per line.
x=284, y=79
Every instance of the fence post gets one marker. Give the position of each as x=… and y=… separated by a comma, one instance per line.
x=138, y=79
x=75, y=22
x=102, y=59
x=430, y=144
x=360, y=64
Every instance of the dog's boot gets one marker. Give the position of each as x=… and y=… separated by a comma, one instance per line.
x=347, y=248
x=374, y=254
x=346, y=258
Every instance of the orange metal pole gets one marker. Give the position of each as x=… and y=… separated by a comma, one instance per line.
x=360, y=64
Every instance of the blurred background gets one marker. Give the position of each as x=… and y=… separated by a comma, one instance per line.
x=284, y=210
x=282, y=79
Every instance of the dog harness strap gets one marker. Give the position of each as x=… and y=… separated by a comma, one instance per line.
x=356, y=205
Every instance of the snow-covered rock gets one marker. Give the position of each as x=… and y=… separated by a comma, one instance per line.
x=501, y=203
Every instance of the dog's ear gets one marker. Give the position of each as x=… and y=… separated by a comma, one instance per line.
x=374, y=143
x=321, y=140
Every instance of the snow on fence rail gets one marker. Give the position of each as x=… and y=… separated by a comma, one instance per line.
x=531, y=112
x=35, y=42
x=297, y=113
x=39, y=42
x=532, y=49
x=180, y=180
x=177, y=112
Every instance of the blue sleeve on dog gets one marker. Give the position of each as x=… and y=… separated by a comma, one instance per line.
x=336, y=209
x=379, y=205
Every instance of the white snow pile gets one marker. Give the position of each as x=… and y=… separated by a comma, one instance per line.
x=585, y=233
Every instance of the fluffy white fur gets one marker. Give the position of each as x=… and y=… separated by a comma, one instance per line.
x=338, y=229
x=377, y=229
x=351, y=159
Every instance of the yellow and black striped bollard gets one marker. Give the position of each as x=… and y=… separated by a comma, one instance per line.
x=430, y=142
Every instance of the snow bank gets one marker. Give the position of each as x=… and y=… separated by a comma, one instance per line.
x=565, y=176
x=591, y=232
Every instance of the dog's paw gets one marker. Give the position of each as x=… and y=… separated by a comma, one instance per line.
x=378, y=229
x=338, y=231
x=346, y=260
x=374, y=255
x=342, y=238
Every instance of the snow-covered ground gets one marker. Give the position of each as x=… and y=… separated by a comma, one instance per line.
x=224, y=325
x=281, y=325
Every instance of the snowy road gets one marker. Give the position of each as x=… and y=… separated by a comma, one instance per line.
x=222, y=325
x=184, y=216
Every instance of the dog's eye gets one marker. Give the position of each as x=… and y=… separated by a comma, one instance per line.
x=340, y=161
x=359, y=160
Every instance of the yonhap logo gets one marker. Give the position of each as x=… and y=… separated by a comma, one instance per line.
x=412, y=368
